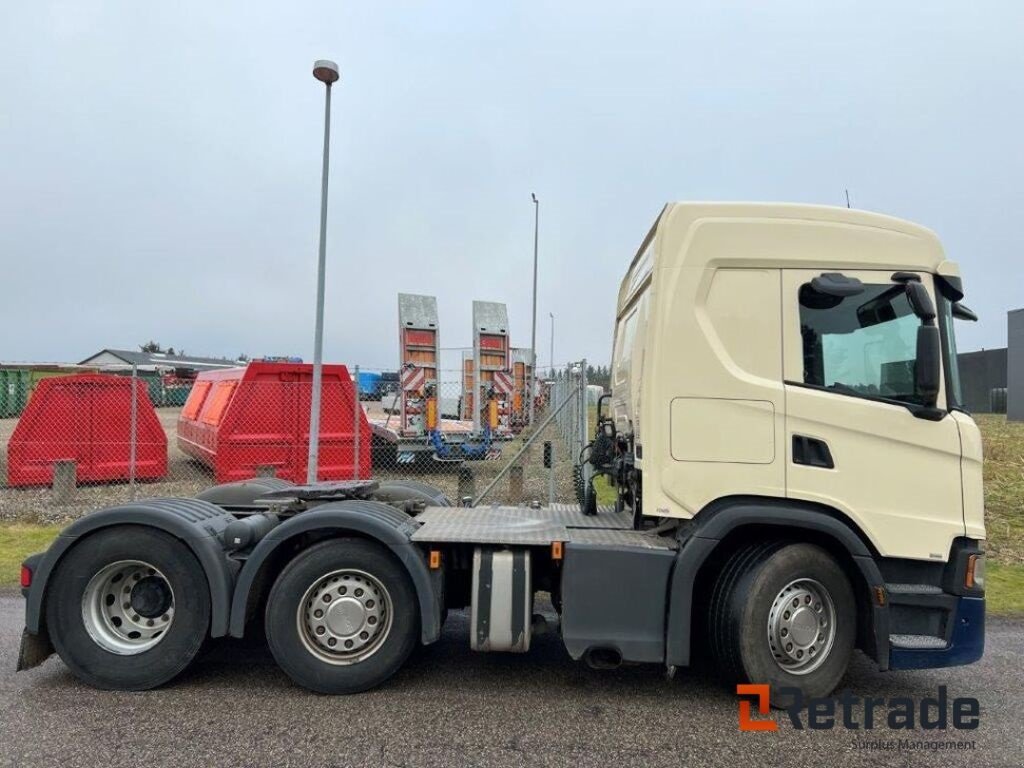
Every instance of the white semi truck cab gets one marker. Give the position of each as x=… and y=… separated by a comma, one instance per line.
x=795, y=479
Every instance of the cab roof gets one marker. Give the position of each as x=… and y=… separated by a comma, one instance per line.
x=781, y=235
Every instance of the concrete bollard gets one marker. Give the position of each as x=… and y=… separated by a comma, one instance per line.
x=515, y=483
x=467, y=483
x=65, y=479
x=266, y=470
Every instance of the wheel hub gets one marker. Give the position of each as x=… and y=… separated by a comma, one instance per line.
x=801, y=626
x=150, y=597
x=127, y=607
x=804, y=626
x=345, y=616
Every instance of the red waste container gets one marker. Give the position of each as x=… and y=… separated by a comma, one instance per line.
x=86, y=418
x=241, y=421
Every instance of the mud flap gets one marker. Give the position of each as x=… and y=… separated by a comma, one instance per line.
x=34, y=650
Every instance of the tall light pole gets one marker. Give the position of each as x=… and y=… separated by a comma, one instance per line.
x=551, y=365
x=327, y=73
x=533, y=332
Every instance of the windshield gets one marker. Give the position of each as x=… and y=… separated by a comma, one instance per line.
x=950, y=361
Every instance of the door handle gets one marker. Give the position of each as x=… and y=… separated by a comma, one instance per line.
x=812, y=452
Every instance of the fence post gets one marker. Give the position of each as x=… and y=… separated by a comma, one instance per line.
x=584, y=408
x=134, y=437
x=515, y=483
x=65, y=477
x=467, y=483
x=355, y=428
x=549, y=463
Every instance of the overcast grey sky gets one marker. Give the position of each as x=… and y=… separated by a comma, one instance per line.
x=159, y=162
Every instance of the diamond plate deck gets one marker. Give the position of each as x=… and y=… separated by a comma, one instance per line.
x=514, y=525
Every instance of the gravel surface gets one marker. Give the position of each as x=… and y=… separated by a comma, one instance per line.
x=452, y=707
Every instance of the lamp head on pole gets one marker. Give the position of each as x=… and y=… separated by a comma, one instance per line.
x=533, y=197
x=326, y=71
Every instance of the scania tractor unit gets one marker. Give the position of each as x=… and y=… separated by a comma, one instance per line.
x=795, y=479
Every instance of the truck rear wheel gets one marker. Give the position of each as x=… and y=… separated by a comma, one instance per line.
x=783, y=614
x=342, y=617
x=128, y=608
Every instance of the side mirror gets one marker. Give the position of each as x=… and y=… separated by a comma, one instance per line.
x=960, y=312
x=927, y=369
x=921, y=301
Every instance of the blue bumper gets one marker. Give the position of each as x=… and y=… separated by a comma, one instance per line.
x=966, y=644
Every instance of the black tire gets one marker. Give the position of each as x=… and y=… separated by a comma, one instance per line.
x=752, y=580
x=285, y=612
x=96, y=665
x=434, y=496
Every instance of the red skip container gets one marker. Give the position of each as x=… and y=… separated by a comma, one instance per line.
x=240, y=422
x=86, y=418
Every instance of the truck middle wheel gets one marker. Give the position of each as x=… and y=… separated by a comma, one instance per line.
x=783, y=614
x=342, y=617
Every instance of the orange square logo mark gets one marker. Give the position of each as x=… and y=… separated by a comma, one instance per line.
x=762, y=692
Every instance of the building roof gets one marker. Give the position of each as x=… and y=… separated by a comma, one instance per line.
x=162, y=359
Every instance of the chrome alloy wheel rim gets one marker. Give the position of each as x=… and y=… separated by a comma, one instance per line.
x=802, y=626
x=128, y=607
x=344, y=617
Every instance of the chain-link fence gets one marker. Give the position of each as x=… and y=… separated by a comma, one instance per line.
x=89, y=440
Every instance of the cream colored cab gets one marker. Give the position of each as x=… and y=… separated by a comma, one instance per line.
x=735, y=378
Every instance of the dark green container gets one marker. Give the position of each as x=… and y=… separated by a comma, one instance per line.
x=15, y=384
x=176, y=394
x=154, y=387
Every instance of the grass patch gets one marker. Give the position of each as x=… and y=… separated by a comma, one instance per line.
x=18, y=541
x=1004, y=589
x=1004, y=488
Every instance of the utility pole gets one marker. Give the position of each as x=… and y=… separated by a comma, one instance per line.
x=327, y=73
x=551, y=365
x=533, y=332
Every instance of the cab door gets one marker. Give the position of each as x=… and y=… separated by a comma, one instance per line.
x=856, y=439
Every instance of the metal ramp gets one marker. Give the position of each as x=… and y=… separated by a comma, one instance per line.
x=523, y=378
x=420, y=355
x=491, y=385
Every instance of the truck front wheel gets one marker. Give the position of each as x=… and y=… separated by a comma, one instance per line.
x=342, y=617
x=128, y=608
x=783, y=614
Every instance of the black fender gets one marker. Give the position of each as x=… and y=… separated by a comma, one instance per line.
x=722, y=518
x=370, y=519
x=242, y=494
x=196, y=523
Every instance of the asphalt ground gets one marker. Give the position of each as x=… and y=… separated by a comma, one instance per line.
x=452, y=707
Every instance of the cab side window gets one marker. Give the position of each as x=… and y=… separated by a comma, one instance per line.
x=863, y=345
